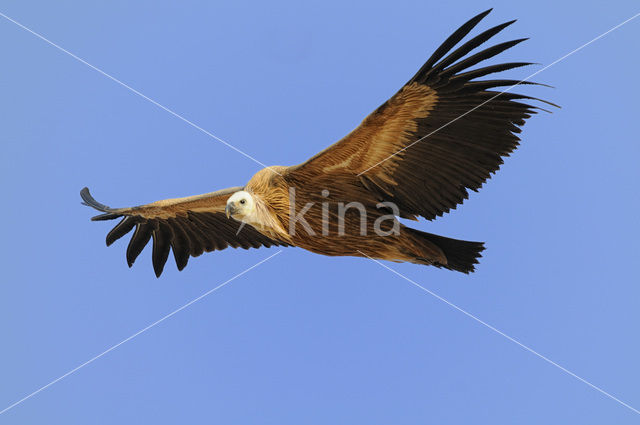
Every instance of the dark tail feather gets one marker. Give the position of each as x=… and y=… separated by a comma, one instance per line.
x=461, y=255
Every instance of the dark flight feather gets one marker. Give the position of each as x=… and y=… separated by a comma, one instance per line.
x=451, y=41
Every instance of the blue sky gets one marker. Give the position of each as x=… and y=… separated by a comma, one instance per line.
x=305, y=338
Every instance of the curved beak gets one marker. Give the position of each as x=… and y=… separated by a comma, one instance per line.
x=230, y=209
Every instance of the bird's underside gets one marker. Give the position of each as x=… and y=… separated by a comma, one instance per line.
x=417, y=155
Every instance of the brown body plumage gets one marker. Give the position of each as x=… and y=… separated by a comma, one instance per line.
x=416, y=155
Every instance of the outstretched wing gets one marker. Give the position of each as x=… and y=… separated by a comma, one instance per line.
x=444, y=132
x=187, y=226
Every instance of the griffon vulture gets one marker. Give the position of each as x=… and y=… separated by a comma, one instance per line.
x=443, y=133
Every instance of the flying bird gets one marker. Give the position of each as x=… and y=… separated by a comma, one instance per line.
x=417, y=155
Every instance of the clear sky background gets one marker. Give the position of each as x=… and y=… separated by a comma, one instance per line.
x=307, y=339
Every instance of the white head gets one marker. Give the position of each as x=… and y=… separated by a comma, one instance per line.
x=241, y=206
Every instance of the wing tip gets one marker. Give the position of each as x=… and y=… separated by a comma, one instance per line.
x=105, y=216
x=90, y=201
x=479, y=17
x=485, y=13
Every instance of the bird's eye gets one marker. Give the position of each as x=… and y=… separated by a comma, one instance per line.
x=242, y=201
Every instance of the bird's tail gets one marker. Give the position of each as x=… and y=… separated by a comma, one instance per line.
x=461, y=255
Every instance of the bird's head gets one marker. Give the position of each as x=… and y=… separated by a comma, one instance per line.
x=240, y=206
